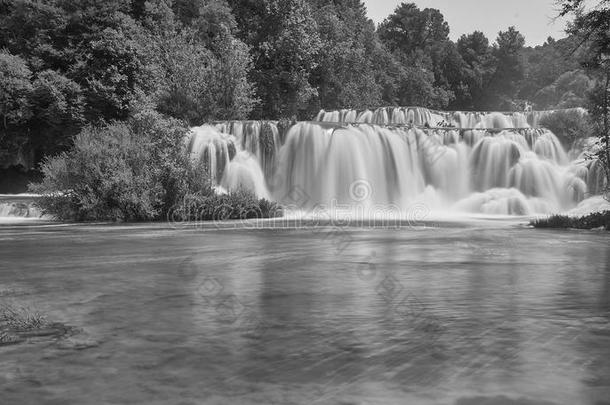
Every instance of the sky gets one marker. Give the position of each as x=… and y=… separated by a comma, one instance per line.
x=533, y=18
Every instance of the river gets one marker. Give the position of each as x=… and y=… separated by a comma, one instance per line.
x=477, y=312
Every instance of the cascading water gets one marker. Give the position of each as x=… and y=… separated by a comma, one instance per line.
x=419, y=116
x=18, y=206
x=237, y=159
x=260, y=138
x=393, y=158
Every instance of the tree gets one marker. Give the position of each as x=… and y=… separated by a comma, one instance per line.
x=34, y=30
x=410, y=28
x=345, y=75
x=58, y=113
x=284, y=40
x=199, y=85
x=480, y=65
x=96, y=61
x=450, y=73
x=554, y=77
x=16, y=88
x=419, y=40
x=509, y=71
x=593, y=29
x=202, y=69
x=568, y=91
x=15, y=108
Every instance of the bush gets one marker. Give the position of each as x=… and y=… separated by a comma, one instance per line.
x=569, y=125
x=21, y=318
x=238, y=205
x=133, y=171
x=591, y=221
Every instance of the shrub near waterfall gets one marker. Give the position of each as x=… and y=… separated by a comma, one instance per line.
x=568, y=125
x=237, y=205
x=133, y=171
x=596, y=220
x=122, y=171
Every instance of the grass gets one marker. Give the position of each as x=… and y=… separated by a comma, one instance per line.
x=20, y=319
x=592, y=221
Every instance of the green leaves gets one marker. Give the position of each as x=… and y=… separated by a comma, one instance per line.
x=16, y=88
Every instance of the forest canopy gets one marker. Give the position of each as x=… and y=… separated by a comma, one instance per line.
x=66, y=65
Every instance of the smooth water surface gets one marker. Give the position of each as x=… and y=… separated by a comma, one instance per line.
x=485, y=313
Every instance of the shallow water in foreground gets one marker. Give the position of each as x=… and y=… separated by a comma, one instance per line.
x=479, y=313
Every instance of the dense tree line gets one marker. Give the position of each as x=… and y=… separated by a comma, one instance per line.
x=591, y=26
x=65, y=65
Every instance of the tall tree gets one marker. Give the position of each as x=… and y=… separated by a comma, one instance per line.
x=345, y=76
x=203, y=68
x=419, y=40
x=480, y=64
x=409, y=28
x=509, y=71
x=15, y=107
x=283, y=36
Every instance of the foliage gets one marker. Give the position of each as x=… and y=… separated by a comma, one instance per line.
x=592, y=28
x=592, y=221
x=509, y=70
x=16, y=87
x=553, y=75
x=345, y=75
x=123, y=171
x=476, y=54
x=419, y=40
x=409, y=29
x=137, y=171
x=196, y=84
x=284, y=39
x=569, y=125
x=58, y=112
x=66, y=65
x=241, y=204
x=20, y=319
x=567, y=91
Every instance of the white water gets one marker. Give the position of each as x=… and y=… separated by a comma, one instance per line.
x=373, y=168
x=419, y=116
x=18, y=206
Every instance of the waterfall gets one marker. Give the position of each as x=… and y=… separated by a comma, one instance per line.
x=261, y=138
x=397, y=158
x=419, y=116
x=19, y=206
x=228, y=163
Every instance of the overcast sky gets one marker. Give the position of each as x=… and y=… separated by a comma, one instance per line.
x=533, y=18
